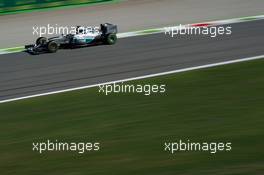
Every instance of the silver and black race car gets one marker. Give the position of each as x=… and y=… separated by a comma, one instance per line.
x=105, y=34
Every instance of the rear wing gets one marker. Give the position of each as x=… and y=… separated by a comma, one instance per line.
x=108, y=28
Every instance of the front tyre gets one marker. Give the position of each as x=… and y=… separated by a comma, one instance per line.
x=41, y=41
x=52, y=47
x=111, y=39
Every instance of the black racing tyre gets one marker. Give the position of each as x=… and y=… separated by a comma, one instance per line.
x=52, y=46
x=111, y=39
x=41, y=41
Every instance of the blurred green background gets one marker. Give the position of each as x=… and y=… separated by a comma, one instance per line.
x=221, y=104
x=20, y=5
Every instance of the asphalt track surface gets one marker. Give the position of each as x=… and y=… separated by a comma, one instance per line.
x=129, y=15
x=22, y=74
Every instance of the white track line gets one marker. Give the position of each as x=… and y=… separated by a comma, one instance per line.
x=138, y=78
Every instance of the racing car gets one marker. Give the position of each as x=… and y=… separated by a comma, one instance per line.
x=105, y=34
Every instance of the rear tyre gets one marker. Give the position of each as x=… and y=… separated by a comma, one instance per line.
x=111, y=39
x=52, y=47
x=41, y=41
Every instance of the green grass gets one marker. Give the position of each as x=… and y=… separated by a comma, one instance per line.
x=218, y=104
x=17, y=10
